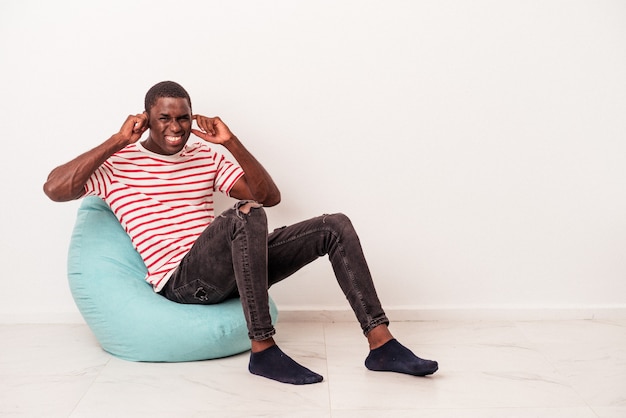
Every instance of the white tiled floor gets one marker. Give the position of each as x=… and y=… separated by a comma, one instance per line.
x=570, y=369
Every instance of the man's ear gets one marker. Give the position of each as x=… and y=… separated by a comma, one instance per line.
x=147, y=119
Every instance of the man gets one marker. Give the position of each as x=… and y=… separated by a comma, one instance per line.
x=161, y=190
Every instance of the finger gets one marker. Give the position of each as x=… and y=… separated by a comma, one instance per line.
x=128, y=125
x=208, y=126
x=220, y=125
x=201, y=134
x=140, y=123
x=199, y=121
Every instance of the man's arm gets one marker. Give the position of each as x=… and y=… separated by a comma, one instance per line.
x=256, y=184
x=67, y=181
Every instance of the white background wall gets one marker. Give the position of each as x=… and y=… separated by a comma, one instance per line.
x=478, y=146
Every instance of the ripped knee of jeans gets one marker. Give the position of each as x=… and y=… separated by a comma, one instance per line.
x=246, y=205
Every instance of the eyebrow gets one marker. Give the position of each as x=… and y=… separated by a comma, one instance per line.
x=185, y=115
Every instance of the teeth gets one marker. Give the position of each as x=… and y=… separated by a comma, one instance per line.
x=173, y=138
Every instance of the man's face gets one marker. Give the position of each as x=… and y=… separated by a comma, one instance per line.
x=169, y=121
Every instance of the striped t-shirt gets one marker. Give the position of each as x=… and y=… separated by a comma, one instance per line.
x=164, y=202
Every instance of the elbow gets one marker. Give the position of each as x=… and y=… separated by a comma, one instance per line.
x=50, y=191
x=55, y=194
x=272, y=203
x=51, y=187
x=272, y=200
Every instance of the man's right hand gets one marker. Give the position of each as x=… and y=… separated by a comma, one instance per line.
x=134, y=126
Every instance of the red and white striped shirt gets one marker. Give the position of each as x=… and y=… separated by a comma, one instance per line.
x=164, y=202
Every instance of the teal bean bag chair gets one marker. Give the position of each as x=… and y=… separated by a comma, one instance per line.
x=130, y=321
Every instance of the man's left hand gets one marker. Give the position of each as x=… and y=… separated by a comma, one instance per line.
x=212, y=129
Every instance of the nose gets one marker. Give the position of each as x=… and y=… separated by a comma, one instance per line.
x=175, y=126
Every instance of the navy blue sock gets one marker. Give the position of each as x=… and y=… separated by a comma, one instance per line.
x=274, y=364
x=394, y=357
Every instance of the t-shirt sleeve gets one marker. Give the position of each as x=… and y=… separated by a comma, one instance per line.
x=100, y=181
x=227, y=174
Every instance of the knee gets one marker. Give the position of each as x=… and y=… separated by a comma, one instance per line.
x=248, y=206
x=338, y=222
x=252, y=213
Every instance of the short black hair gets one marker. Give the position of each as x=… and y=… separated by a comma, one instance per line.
x=165, y=89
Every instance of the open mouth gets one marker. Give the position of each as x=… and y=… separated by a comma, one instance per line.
x=173, y=140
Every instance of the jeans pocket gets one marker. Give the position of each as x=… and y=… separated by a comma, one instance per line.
x=198, y=292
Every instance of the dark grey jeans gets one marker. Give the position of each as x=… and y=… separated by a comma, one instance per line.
x=236, y=257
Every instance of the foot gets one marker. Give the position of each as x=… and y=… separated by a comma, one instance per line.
x=394, y=357
x=276, y=365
